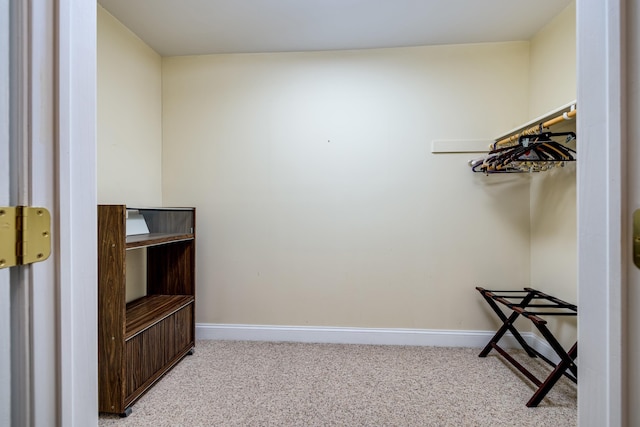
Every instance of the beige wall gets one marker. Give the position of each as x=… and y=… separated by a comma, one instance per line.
x=552, y=80
x=319, y=202
x=553, y=194
x=129, y=117
x=129, y=128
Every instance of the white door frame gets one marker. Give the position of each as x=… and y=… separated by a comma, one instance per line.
x=602, y=242
x=54, y=303
x=77, y=212
x=600, y=215
x=602, y=248
x=5, y=306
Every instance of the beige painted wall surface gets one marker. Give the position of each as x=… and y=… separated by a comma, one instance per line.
x=129, y=117
x=129, y=128
x=319, y=201
x=553, y=194
x=552, y=80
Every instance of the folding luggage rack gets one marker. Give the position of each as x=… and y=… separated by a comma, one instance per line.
x=532, y=304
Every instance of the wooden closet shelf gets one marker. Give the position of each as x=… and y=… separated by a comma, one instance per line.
x=152, y=239
x=151, y=309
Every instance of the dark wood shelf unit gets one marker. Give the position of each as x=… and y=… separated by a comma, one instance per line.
x=140, y=341
x=145, y=240
x=147, y=311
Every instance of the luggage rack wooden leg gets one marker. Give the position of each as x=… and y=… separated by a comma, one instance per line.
x=507, y=324
x=555, y=375
x=551, y=306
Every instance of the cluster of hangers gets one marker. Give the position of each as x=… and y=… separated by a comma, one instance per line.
x=533, y=153
x=532, y=150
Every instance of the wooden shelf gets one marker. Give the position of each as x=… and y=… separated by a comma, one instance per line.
x=140, y=341
x=558, y=111
x=151, y=309
x=153, y=239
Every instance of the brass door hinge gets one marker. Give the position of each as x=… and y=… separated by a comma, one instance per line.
x=25, y=235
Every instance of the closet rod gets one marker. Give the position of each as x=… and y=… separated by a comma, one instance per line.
x=536, y=129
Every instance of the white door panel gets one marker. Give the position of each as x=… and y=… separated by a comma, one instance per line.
x=40, y=187
x=5, y=331
x=48, y=325
x=607, y=395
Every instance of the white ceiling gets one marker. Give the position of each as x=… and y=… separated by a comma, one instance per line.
x=189, y=27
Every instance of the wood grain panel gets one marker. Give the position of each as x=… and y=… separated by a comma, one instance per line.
x=135, y=376
x=171, y=269
x=182, y=328
x=157, y=349
x=149, y=310
x=140, y=341
x=111, y=307
x=143, y=240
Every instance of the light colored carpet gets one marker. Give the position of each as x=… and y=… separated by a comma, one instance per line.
x=232, y=383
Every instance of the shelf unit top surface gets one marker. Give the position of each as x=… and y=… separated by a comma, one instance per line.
x=151, y=309
x=153, y=239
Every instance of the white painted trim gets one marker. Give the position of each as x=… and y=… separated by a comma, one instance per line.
x=539, y=344
x=20, y=296
x=378, y=336
x=5, y=178
x=43, y=282
x=77, y=213
x=602, y=389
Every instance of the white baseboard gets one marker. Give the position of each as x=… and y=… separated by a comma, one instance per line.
x=543, y=347
x=380, y=336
